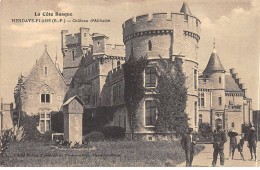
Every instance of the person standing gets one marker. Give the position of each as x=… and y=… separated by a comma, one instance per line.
x=240, y=145
x=188, y=143
x=252, y=142
x=233, y=143
x=219, y=138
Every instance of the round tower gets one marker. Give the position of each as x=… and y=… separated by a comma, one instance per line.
x=168, y=35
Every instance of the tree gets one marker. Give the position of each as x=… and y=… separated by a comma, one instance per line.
x=134, y=89
x=171, y=97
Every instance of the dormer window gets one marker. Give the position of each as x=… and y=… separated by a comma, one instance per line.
x=149, y=45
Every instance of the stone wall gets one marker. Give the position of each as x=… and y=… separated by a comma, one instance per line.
x=37, y=80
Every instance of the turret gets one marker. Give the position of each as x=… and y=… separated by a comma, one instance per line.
x=216, y=72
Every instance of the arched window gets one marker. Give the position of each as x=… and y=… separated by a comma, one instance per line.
x=149, y=45
x=45, y=95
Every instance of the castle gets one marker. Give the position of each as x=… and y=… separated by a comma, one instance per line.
x=92, y=70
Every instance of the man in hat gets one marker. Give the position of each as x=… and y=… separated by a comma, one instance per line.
x=219, y=137
x=188, y=144
x=252, y=141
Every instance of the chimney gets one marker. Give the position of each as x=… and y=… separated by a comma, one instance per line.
x=232, y=70
x=235, y=75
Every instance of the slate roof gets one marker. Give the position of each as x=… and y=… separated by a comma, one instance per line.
x=230, y=84
x=214, y=64
x=185, y=9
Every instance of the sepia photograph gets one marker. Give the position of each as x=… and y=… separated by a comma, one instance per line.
x=129, y=83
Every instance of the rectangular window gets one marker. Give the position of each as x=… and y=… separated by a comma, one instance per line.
x=42, y=126
x=150, y=113
x=150, y=77
x=219, y=101
x=202, y=99
x=115, y=93
x=119, y=91
x=200, y=118
x=48, y=125
x=43, y=115
x=195, y=113
x=233, y=124
x=195, y=79
x=47, y=98
x=43, y=98
x=46, y=71
x=73, y=55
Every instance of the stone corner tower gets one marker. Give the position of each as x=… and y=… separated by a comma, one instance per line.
x=168, y=35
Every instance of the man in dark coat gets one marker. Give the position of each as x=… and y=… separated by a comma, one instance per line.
x=252, y=142
x=240, y=145
x=188, y=144
x=220, y=138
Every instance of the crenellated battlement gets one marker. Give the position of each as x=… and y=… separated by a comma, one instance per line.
x=82, y=38
x=72, y=39
x=158, y=22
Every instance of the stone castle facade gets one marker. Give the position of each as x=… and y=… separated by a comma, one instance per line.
x=92, y=70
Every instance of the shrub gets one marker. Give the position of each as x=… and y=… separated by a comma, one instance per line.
x=113, y=132
x=46, y=136
x=4, y=141
x=29, y=124
x=205, y=130
x=205, y=133
x=94, y=136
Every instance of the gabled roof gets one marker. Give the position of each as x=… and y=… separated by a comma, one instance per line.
x=185, y=9
x=214, y=64
x=230, y=84
x=44, y=55
x=72, y=98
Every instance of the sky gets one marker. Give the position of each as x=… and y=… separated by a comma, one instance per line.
x=233, y=23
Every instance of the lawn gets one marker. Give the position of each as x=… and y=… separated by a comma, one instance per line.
x=106, y=154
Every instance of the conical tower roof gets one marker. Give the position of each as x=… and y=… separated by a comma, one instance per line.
x=185, y=8
x=214, y=64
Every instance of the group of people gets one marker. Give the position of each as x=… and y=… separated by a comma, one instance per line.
x=189, y=141
x=234, y=143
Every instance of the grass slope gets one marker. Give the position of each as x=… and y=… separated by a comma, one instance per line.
x=107, y=154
